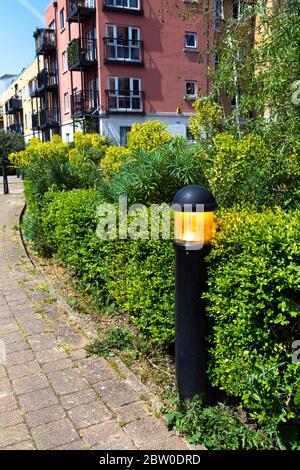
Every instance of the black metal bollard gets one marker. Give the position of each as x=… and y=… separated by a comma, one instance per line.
x=191, y=328
x=5, y=178
x=194, y=208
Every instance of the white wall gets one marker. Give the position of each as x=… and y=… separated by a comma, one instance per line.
x=110, y=127
x=67, y=132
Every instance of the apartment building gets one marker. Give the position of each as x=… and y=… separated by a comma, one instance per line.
x=108, y=63
x=17, y=106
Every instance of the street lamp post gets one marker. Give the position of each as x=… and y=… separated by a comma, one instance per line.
x=194, y=208
x=5, y=179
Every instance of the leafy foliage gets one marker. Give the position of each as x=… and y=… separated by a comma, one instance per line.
x=155, y=177
x=253, y=300
x=147, y=136
x=207, y=119
x=216, y=427
x=116, y=339
x=138, y=275
x=115, y=158
x=10, y=142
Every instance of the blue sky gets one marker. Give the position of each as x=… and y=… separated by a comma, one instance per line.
x=17, y=24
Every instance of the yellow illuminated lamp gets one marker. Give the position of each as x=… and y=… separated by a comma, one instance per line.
x=194, y=208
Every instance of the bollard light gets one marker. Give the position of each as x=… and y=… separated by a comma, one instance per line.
x=194, y=208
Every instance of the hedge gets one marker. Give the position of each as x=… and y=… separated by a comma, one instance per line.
x=253, y=299
x=136, y=274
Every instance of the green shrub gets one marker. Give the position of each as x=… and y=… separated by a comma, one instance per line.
x=136, y=274
x=155, y=177
x=147, y=136
x=253, y=298
x=115, y=158
x=216, y=427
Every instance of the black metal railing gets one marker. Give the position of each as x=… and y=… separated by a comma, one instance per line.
x=45, y=40
x=82, y=53
x=130, y=6
x=13, y=105
x=16, y=128
x=118, y=50
x=49, y=117
x=85, y=102
x=125, y=101
x=47, y=79
x=80, y=9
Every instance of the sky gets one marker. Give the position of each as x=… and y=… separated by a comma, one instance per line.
x=18, y=20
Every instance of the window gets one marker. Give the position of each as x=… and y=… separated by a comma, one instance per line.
x=238, y=10
x=62, y=19
x=191, y=40
x=123, y=43
x=190, y=89
x=68, y=138
x=92, y=101
x=123, y=135
x=125, y=94
x=67, y=103
x=52, y=26
x=217, y=13
x=65, y=61
x=26, y=121
x=217, y=59
x=131, y=4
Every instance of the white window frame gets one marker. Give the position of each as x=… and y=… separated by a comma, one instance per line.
x=185, y=40
x=124, y=52
x=189, y=96
x=65, y=61
x=113, y=3
x=115, y=93
x=66, y=103
x=62, y=19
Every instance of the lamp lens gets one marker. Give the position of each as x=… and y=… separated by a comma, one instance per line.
x=194, y=227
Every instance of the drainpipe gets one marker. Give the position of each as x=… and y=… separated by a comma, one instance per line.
x=55, y=5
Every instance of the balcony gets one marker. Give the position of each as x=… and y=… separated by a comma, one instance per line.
x=78, y=11
x=48, y=118
x=15, y=128
x=127, y=6
x=47, y=80
x=129, y=102
x=82, y=54
x=45, y=41
x=35, y=121
x=13, y=105
x=123, y=51
x=33, y=89
x=85, y=103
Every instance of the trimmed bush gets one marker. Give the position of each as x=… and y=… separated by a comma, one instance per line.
x=253, y=299
x=136, y=274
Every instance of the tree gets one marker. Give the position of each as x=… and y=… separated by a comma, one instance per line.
x=9, y=143
x=258, y=69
